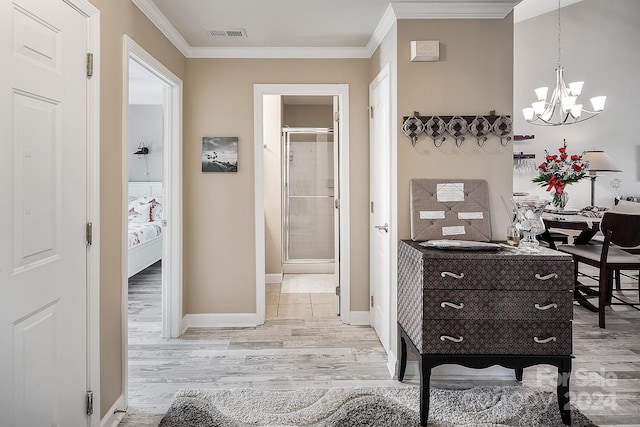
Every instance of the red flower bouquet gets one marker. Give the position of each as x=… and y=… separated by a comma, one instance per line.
x=559, y=170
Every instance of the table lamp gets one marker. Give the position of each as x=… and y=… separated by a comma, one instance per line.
x=599, y=161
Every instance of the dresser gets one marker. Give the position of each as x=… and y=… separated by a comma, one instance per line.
x=482, y=308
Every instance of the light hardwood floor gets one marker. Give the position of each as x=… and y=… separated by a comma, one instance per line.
x=289, y=353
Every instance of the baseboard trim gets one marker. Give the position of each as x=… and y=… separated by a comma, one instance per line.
x=113, y=418
x=219, y=320
x=359, y=318
x=273, y=278
x=457, y=372
x=309, y=268
x=392, y=362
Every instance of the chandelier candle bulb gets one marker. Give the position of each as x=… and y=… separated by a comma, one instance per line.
x=598, y=103
x=541, y=93
x=575, y=88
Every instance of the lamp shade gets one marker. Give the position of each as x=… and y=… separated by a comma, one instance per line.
x=599, y=161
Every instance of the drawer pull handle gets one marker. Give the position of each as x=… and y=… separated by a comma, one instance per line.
x=547, y=277
x=544, y=341
x=448, y=338
x=445, y=304
x=450, y=274
x=545, y=307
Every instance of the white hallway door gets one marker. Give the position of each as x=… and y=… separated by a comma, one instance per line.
x=380, y=171
x=43, y=188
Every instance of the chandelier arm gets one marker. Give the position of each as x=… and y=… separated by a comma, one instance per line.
x=548, y=123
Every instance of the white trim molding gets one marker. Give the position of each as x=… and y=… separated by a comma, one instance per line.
x=219, y=320
x=158, y=19
x=360, y=318
x=273, y=278
x=490, y=9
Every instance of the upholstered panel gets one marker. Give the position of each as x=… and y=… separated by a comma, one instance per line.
x=450, y=209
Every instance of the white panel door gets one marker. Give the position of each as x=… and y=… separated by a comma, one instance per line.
x=380, y=209
x=43, y=188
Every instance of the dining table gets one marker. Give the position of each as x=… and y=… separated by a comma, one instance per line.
x=587, y=226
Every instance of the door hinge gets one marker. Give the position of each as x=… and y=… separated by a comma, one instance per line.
x=89, y=402
x=89, y=64
x=336, y=203
x=336, y=116
x=89, y=233
x=371, y=111
x=371, y=207
x=371, y=300
x=337, y=290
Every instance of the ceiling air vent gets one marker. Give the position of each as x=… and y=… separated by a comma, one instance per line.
x=227, y=32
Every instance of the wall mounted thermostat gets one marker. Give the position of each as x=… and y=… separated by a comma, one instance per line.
x=422, y=51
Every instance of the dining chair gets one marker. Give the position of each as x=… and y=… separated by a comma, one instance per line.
x=621, y=230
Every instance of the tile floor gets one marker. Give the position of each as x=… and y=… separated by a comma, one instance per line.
x=301, y=296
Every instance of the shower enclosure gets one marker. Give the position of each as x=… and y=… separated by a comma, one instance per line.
x=309, y=193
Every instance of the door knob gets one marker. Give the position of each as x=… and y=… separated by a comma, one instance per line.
x=384, y=227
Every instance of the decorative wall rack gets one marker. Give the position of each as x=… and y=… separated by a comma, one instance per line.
x=438, y=127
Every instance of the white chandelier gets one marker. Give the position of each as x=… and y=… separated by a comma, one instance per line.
x=562, y=108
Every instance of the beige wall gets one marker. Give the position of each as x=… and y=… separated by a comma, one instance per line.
x=117, y=18
x=317, y=116
x=219, y=239
x=474, y=75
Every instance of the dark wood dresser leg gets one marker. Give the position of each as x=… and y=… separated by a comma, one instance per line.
x=564, y=374
x=519, y=372
x=425, y=380
x=403, y=358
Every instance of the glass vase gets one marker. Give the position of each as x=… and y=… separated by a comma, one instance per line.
x=559, y=200
x=530, y=222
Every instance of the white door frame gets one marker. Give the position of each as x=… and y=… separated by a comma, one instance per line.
x=172, y=177
x=92, y=15
x=342, y=92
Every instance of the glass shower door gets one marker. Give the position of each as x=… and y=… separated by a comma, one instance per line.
x=308, y=195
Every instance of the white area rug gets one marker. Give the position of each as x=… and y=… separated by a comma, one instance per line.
x=308, y=284
x=366, y=406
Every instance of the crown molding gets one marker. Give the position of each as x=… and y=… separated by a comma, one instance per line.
x=432, y=10
x=385, y=24
x=158, y=19
x=278, y=52
x=453, y=10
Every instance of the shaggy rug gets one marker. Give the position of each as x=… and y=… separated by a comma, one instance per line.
x=366, y=406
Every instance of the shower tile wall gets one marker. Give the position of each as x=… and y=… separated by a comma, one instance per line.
x=311, y=235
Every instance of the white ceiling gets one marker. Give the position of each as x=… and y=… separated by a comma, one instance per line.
x=300, y=28
x=311, y=28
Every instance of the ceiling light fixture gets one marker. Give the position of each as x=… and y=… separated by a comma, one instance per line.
x=562, y=108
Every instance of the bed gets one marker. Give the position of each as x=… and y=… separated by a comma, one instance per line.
x=145, y=225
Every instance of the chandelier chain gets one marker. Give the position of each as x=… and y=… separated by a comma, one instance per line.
x=559, y=30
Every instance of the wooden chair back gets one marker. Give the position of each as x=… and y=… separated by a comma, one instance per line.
x=624, y=227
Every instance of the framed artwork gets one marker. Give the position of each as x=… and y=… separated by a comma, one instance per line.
x=220, y=154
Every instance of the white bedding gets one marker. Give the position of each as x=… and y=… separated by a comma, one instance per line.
x=141, y=232
x=145, y=225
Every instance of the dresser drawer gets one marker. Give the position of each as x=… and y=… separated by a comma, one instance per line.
x=495, y=337
x=498, y=305
x=498, y=273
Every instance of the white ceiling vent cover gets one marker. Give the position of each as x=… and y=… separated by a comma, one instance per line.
x=227, y=32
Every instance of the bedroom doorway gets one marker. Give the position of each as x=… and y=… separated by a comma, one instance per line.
x=302, y=236
x=151, y=186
